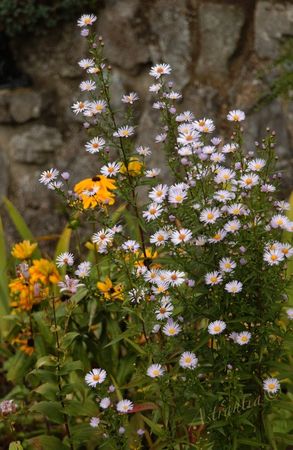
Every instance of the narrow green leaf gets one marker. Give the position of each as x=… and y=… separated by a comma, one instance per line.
x=4, y=295
x=20, y=223
x=63, y=245
x=15, y=446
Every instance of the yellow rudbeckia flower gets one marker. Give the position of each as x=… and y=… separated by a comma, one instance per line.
x=23, y=250
x=96, y=190
x=109, y=290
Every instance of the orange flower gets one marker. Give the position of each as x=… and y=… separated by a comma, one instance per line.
x=23, y=250
x=25, y=342
x=43, y=271
x=95, y=191
x=109, y=290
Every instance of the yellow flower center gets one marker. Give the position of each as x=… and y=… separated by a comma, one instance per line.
x=96, y=377
x=271, y=386
x=217, y=328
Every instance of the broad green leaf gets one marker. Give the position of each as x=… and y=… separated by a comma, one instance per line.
x=81, y=293
x=48, y=360
x=70, y=367
x=68, y=339
x=47, y=390
x=18, y=366
x=52, y=410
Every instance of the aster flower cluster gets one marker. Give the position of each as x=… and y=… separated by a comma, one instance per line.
x=179, y=295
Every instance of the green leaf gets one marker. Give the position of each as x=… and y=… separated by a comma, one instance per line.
x=155, y=427
x=48, y=360
x=69, y=338
x=70, y=367
x=18, y=366
x=52, y=410
x=63, y=245
x=20, y=224
x=4, y=294
x=47, y=443
x=47, y=390
x=81, y=293
x=15, y=446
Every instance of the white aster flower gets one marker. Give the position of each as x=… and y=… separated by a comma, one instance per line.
x=249, y=180
x=290, y=313
x=80, y=106
x=227, y=265
x=130, y=246
x=160, y=69
x=96, y=107
x=175, y=277
x=216, y=327
x=95, y=145
x=171, y=328
x=186, y=116
x=237, y=209
x=103, y=237
x=229, y=148
x=236, y=115
x=174, y=95
x=95, y=376
x=273, y=257
x=155, y=371
x=188, y=360
x=105, y=402
x=158, y=193
x=143, y=151
x=232, y=226
x=153, y=212
x=53, y=185
x=217, y=157
x=65, y=259
x=267, y=188
x=87, y=85
x=243, y=338
x=124, y=406
x=111, y=169
x=159, y=238
x=286, y=249
x=181, y=236
x=204, y=125
x=124, y=132
x=130, y=98
x=256, y=164
x=165, y=310
x=83, y=269
x=233, y=287
x=282, y=205
x=271, y=385
x=48, y=176
x=209, y=215
x=217, y=237
x=155, y=87
x=223, y=196
x=177, y=195
x=224, y=175
x=152, y=173
x=279, y=221
x=213, y=278
x=95, y=422
x=86, y=63
x=86, y=20
x=189, y=137
x=160, y=138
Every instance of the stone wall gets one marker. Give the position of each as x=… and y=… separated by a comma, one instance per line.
x=216, y=49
